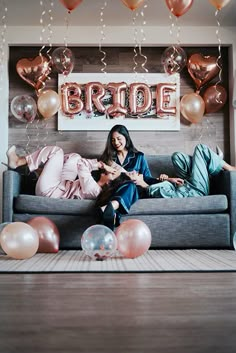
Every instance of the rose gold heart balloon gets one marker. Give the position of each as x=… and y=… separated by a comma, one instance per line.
x=202, y=69
x=34, y=70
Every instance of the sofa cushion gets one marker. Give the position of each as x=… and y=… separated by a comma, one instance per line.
x=45, y=205
x=189, y=205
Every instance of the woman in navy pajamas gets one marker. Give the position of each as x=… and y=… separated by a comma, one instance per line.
x=121, y=154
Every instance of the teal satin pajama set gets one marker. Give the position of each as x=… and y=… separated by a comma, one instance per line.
x=195, y=170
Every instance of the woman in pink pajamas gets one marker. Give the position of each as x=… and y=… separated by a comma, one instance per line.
x=64, y=175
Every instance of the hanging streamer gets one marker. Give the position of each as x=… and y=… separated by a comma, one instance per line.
x=174, y=58
x=103, y=37
x=139, y=61
x=219, y=64
x=3, y=24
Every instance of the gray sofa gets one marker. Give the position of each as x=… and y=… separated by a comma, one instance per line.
x=207, y=222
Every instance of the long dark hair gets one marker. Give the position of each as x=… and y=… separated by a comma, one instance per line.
x=109, y=152
x=109, y=189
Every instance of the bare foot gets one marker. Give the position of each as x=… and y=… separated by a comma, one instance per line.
x=12, y=157
x=229, y=167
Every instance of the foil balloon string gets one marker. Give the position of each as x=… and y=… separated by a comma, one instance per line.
x=143, y=39
x=43, y=45
x=50, y=31
x=135, y=39
x=67, y=25
x=102, y=39
x=3, y=24
x=174, y=28
x=218, y=62
x=45, y=128
x=138, y=42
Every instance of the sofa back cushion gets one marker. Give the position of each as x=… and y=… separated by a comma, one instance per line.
x=160, y=164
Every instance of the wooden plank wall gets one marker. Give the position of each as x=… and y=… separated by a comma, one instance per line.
x=214, y=130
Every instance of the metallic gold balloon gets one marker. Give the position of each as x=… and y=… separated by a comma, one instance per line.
x=192, y=107
x=48, y=103
x=133, y=238
x=19, y=240
x=48, y=233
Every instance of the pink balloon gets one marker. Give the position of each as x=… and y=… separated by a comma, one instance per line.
x=48, y=234
x=133, y=238
x=19, y=240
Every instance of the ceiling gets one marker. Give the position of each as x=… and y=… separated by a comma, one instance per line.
x=88, y=13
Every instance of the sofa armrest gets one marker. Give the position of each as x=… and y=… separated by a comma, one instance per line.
x=225, y=183
x=11, y=189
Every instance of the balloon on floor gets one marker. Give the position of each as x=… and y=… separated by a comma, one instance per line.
x=19, y=240
x=133, y=238
x=48, y=233
x=99, y=242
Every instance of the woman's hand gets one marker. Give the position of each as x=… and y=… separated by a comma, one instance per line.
x=177, y=181
x=137, y=179
x=107, y=168
x=163, y=177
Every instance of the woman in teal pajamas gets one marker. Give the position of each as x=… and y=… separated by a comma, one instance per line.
x=192, y=174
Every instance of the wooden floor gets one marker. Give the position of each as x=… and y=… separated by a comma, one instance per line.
x=111, y=313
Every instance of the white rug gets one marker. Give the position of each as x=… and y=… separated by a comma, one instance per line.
x=152, y=261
